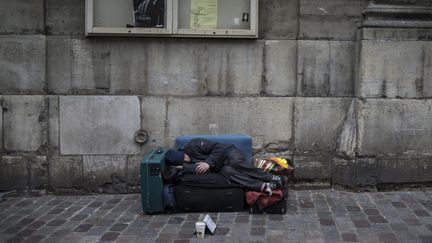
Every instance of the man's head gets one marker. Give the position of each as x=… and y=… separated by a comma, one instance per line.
x=174, y=157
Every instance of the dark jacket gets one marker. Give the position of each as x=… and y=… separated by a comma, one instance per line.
x=212, y=153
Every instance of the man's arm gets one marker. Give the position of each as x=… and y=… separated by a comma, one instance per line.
x=206, y=151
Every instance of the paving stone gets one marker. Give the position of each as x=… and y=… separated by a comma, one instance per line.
x=14, y=240
x=36, y=224
x=387, y=237
x=118, y=227
x=61, y=233
x=377, y=219
x=361, y=223
x=25, y=233
x=83, y=228
x=371, y=211
x=34, y=239
x=175, y=220
x=425, y=238
x=56, y=222
x=421, y=213
x=12, y=230
x=412, y=221
x=327, y=222
x=25, y=221
x=97, y=231
x=398, y=204
x=110, y=236
x=349, y=237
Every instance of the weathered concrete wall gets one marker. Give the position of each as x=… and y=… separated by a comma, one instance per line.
x=348, y=104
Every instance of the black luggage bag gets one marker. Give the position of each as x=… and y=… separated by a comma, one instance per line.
x=209, y=192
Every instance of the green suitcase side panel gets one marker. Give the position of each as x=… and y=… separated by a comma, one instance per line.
x=151, y=181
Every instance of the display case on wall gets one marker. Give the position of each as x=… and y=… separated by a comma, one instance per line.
x=175, y=18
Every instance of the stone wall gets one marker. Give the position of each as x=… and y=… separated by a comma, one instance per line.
x=348, y=102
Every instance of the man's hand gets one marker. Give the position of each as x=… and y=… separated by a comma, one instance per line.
x=202, y=167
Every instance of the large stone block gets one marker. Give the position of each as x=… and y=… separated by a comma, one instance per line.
x=59, y=65
x=99, y=124
x=21, y=17
x=343, y=172
x=405, y=73
x=154, y=118
x=22, y=64
x=14, y=173
x=133, y=169
x=66, y=171
x=318, y=122
x=312, y=167
x=267, y=120
x=313, y=68
x=397, y=171
x=342, y=66
x=38, y=172
x=336, y=19
x=78, y=66
x=424, y=170
x=367, y=172
x=90, y=65
x=233, y=67
x=24, y=121
x=280, y=67
x=105, y=173
x=65, y=17
x=395, y=127
x=325, y=68
x=22, y=172
x=278, y=19
x=158, y=66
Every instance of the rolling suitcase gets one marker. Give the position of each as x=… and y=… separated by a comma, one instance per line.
x=209, y=192
x=152, y=166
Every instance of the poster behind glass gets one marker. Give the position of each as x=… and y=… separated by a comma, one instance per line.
x=149, y=13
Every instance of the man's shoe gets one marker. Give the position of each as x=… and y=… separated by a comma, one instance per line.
x=268, y=188
x=278, y=181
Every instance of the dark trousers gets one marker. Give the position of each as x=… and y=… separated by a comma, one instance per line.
x=238, y=170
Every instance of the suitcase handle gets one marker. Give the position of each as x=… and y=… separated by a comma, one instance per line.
x=157, y=151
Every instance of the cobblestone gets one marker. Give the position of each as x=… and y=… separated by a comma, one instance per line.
x=312, y=216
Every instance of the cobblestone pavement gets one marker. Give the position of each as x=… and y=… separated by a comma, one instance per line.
x=313, y=216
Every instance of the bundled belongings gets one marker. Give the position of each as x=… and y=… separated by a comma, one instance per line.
x=274, y=202
x=274, y=165
x=265, y=203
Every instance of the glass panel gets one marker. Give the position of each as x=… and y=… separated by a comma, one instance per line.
x=130, y=13
x=210, y=14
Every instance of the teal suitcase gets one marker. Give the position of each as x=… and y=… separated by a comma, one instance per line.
x=152, y=182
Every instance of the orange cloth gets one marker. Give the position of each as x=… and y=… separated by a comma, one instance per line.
x=263, y=199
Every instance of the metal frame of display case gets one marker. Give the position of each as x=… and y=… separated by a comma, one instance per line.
x=172, y=26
